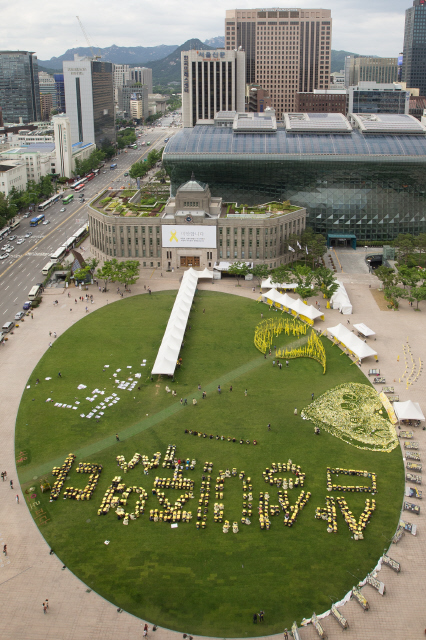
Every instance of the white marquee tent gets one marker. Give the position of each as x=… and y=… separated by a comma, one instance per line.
x=408, y=410
x=168, y=353
x=296, y=306
x=349, y=340
x=362, y=328
x=340, y=300
x=268, y=284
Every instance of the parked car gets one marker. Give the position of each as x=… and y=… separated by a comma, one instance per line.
x=20, y=241
x=27, y=305
x=28, y=235
x=4, y=256
x=10, y=249
x=19, y=315
x=126, y=174
x=5, y=247
x=27, y=215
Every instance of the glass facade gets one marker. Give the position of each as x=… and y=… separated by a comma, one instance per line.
x=103, y=102
x=369, y=185
x=19, y=86
x=379, y=101
x=60, y=92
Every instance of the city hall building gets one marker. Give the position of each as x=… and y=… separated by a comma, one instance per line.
x=195, y=229
x=362, y=175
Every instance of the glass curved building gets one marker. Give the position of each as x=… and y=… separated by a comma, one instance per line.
x=362, y=175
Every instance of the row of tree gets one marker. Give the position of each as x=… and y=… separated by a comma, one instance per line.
x=307, y=282
x=408, y=283
x=83, y=167
x=140, y=169
x=22, y=199
x=126, y=137
x=126, y=272
x=409, y=248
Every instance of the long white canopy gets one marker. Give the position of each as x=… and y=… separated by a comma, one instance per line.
x=351, y=341
x=295, y=305
x=408, y=410
x=362, y=328
x=268, y=284
x=340, y=300
x=168, y=353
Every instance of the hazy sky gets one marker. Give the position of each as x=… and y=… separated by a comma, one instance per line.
x=50, y=27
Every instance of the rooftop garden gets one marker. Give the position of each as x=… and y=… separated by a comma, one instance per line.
x=150, y=203
x=271, y=209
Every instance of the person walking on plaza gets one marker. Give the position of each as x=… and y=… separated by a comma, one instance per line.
x=5, y=549
x=285, y=634
x=17, y=498
x=11, y=484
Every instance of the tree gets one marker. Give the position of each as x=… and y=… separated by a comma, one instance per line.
x=107, y=272
x=420, y=242
x=92, y=264
x=417, y=294
x=81, y=274
x=127, y=272
x=239, y=270
x=326, y=281
x=404, y=244
x=314, y=245
x=138, y=170
x=281, y=275
x=305, y=278
x=387, y=276
x=260, y=272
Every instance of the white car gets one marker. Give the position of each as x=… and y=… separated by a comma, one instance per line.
x=9, y=249
x=28, y=235
x=4, y=256
x=62, y=210
x=20, y=241
x=46, y=222
x=12, y=238
x=6, y=246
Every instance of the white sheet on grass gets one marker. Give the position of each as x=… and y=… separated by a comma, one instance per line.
x=351, y=341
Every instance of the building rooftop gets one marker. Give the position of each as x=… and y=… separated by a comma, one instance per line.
x=387, y=123
x=6, y=167
x=317, y=122
x=204, y=140
x=41, y=147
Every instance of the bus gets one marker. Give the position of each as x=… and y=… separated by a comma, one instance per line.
x=81, y=232
x=48, y=203
x=4, y=232
x=48, y=267
x=35, y=291
x=90, y=176
x=80, y=187
x=77, y=183
x=69, y=243
x=95, y=172
x=34, y=222
x=134, y=146
x=59, y=253
x=14, y=225
x=113, y=166
x=68, y=199
x=147, y=144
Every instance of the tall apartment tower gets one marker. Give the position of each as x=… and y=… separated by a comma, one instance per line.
x=19, y=86
x=414, y=55
x=89, y=100
x=212, y=81
x=287, y=50
x=366, y=69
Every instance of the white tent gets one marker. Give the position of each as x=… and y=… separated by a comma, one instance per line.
x=272, y=296
x=351, y=342
x=408, y=410
x=340, y=300
x=306, y=310
x=168, y=353
x=283, y=300
x=205, y=274
x=362, y=328
x=267, y=284
x=224, y=266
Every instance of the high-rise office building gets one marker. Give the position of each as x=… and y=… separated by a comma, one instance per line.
x=142, y=75
x=212, y=81
x=287, y=50
x=47, y=94
x=135, y=92
x=366, y=69
x=19, y=86
x=414, y=55
x=63, y=145
x=89, y=100
x=374, y=97
x=60, y=92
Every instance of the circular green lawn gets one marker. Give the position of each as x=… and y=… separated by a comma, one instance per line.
x=203, y=582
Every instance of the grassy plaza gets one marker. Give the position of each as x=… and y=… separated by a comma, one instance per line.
x=198, y=581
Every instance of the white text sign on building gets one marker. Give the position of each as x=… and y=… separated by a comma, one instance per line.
x=194, y=237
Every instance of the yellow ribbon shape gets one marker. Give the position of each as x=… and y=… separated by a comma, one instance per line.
x=173, y=236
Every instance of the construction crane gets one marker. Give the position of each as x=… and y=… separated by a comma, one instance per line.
x=94, y=56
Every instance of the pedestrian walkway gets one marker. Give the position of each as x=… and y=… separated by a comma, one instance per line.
x=29, y=574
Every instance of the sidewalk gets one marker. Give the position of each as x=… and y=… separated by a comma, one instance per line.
x=29, y=575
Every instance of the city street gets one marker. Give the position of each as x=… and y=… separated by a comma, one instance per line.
x=23, y=268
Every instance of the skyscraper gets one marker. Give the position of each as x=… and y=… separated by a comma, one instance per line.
x=287, y=50
x=367, y=69
x=212, y=81
x=89, y=100
x=19, y=86
x=63, y=146
x=60, y=92
x=414, y=57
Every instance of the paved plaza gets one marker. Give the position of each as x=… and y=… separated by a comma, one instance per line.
x=29, y=574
